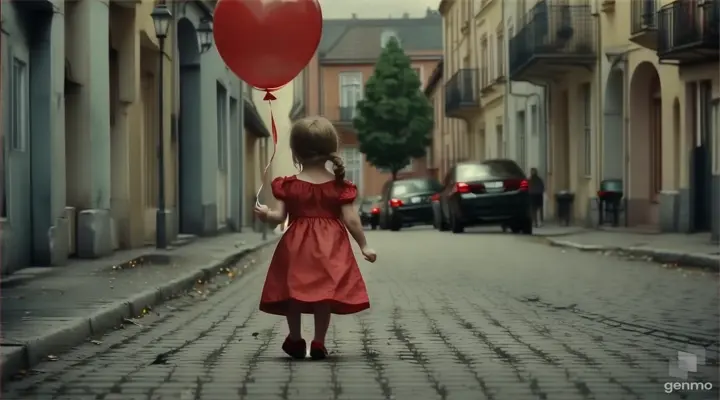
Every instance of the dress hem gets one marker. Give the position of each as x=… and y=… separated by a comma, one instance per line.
x=306, y=307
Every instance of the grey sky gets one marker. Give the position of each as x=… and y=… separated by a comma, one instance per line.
x=376, y=8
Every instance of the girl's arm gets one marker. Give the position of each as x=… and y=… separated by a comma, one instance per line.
x=278, y=215
x=352, y=221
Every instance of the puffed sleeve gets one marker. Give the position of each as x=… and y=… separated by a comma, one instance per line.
x=278, y=188
x=348, y=193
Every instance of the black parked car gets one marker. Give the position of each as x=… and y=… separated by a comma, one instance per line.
x=493, y=192
x=370, y=211
x=406, y=202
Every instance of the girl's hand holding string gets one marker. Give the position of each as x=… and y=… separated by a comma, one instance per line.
x=262, y=212
x=369, y=254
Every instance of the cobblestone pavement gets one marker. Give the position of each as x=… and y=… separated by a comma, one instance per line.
x=472, y=316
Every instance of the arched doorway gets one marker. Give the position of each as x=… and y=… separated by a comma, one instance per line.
x=190, y=213
x=613, y=147
x=645, y=161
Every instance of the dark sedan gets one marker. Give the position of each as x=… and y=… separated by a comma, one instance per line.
x=493, y=192
x=407, y=202
x=370, y=211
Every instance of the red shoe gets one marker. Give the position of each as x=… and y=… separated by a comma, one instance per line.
x=296, y=349
x=318, y=351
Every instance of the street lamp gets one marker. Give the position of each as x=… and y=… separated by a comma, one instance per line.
x=161, y=19
x=205, y=35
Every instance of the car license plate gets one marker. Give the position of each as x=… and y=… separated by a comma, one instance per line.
x=415, y=200
x=493, y=185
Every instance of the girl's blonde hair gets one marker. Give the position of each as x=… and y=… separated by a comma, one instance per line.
x=314, y=140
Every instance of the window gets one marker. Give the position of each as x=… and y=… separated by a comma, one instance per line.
x=521, y=135
x=386, y=36
x=351, y=88
x=19, y=115
x=299, y=88
x=586, y=98
x=490, y=61
x=353, y=165
x=499, y=140
x=221, y=111
x=484, y=78
x=500, y=51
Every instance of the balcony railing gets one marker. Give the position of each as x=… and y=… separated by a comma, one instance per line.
x=689, y=31
x=347, y=113
x=642, y=16
x=461, y=92
x=554, y=37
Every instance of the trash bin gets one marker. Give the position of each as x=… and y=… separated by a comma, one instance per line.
x=609, y=199
x=564, y=201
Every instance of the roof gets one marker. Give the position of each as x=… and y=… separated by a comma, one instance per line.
x=435, y=78
x=360, y=39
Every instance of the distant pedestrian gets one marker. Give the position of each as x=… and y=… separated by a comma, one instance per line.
x=537, y=197
x=313, y=270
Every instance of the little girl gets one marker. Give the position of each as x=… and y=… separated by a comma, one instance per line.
x=313, y=270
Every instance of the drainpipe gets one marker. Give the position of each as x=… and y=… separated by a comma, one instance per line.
x=508, y=85
x=174, y=111
x=600, y=97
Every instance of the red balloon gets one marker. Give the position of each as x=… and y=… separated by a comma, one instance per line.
x=267, y=43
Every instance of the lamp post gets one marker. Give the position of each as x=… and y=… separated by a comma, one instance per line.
x=161, y=19
x=205, y=34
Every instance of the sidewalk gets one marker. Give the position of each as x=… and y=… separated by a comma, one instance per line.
x=694, y=250
x=48, y=310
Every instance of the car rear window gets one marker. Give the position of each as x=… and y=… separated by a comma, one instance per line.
x=368, y=201
x=487, y=169
x=414, y=186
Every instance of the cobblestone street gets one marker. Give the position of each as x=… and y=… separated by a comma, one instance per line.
x=472, y=316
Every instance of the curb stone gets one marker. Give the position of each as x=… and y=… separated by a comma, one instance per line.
x=76, y=331
x=658, y=255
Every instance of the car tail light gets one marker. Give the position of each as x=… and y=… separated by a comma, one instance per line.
x=396, y=203
x=516, y=184
x=601, y=194
x=375, y=211
x=435, y=197
x=462, y=187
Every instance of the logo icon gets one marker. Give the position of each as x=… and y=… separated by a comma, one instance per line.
x=687, y=361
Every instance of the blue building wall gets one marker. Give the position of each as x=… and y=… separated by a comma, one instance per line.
x=34, y=231
x=200, y=73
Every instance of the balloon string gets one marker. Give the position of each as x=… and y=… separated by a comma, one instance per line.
x=269, y=98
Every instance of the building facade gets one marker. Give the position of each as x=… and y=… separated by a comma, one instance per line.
x=489, y=116
x=82, y=178
x=630, y=89
x=334, y=81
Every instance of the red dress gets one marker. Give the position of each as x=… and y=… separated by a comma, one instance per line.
x=314, y=260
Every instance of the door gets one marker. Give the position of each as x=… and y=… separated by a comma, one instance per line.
x=562, y=143
x=17, y=153
x=701, y=167
x=221, y=105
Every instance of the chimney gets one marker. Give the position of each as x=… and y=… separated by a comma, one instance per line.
x=406, y=15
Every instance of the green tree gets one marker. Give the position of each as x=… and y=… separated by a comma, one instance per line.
x=394, y=119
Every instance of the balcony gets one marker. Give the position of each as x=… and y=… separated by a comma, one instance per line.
x=346, y=114
x=643, y=23
x=461, y=94
x=553, y=40
x=489, y=84
x=688, y=32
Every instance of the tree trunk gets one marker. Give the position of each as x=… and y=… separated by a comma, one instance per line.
x=394, y=174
